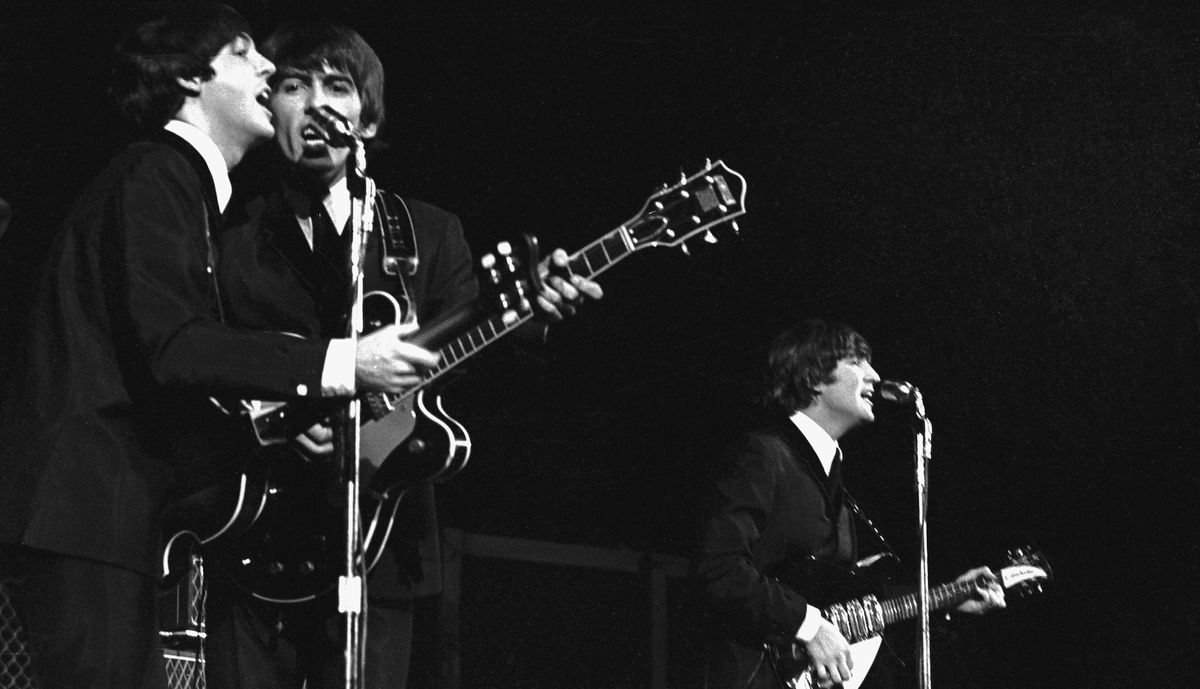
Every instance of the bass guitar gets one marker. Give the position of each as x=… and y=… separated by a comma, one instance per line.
x=862, y=620
x=276, y=529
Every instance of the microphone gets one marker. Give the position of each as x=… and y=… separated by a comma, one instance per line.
x=333, y=126
x=895, y=391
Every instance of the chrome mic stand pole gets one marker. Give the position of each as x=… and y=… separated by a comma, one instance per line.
x=922, y=451
x=352, y=593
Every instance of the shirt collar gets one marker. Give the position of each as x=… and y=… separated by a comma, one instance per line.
x=822, y=443
x=337, y=204
x=208, y=150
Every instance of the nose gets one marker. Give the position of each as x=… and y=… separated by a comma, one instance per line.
x=265, y=67
x=317, y=95
x=871, y=375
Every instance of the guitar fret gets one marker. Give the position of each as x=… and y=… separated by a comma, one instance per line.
x=592, y=255
x=476, y=338
x=614, y=247
x=578, y=265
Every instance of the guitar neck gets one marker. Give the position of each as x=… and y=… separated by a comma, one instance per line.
x=945, y=596
x=588, y=262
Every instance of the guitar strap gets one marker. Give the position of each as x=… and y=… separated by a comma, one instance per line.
x=886, y=548
x=399, y=236
x=398, y=247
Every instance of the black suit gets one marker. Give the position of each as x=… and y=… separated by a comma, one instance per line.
x=107, y=413
x=271, y=279
x=770, y=508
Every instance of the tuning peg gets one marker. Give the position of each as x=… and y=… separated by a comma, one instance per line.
x=710, y=237
x=707, y=163
x=488, y=261
x=685, y=250
x=682, y=176
x=504, y=248
x=736, y=229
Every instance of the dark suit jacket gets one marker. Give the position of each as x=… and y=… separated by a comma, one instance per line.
x=768, y=510
x=270, y=280
x=108, y=411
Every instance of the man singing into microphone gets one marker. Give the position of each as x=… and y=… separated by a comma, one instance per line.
x=778, y=503
x=285, y=258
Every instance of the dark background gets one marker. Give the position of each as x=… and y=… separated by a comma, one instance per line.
x=1000, y=196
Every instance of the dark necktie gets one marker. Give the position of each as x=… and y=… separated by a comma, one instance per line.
x=835, y=484
x=326, y=241
x=331, y=249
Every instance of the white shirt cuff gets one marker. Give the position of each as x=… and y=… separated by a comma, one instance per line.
x=337, y=378
x=810, y=625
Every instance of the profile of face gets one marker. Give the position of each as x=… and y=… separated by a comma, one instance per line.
x=297, y=136
x=849, y=398
x=236, y=98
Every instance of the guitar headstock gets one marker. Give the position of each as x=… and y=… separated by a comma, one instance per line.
x=512, y=276
x=697, y=203
x=1025, y=572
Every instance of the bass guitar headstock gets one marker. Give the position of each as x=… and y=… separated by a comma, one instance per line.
x=1025, y=572
x=695, y=204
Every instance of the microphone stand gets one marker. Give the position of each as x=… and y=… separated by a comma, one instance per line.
x=352, y=590
x=922, y=453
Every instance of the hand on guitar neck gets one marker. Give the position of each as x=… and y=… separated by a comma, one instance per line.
x=988, y=594
x=562, y=292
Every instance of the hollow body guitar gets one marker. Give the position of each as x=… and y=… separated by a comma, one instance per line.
x=276, y=527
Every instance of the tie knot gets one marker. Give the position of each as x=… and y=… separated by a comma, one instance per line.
x=317, y=208
x=835, y=467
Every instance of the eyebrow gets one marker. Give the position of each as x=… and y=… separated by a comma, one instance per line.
x=298, y=73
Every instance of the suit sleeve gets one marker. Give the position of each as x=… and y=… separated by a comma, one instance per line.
x=156, y=251
x=451, y=280
x=741, y=503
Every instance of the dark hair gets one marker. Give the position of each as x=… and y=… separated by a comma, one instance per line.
x=804, y=356
x=309, y=46
x=178, y=44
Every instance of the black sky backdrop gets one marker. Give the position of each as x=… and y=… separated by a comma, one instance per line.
x=1000, y=196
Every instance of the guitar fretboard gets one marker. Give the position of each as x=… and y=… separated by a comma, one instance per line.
x=907, y=607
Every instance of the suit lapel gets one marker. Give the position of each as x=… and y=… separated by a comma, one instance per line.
x=197, y=161
x=284, y=236
x=805, y=456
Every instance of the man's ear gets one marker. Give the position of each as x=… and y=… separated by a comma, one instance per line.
x=190, y=86
x=368, y=131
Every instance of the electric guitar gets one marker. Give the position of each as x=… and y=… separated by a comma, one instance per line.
x=274, y=530
x=862, y=620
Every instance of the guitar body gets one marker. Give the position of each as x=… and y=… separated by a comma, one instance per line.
x=794, y=673
x=417, y=441
x=217, y=512
x=290, y=549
